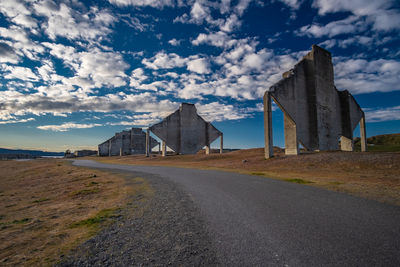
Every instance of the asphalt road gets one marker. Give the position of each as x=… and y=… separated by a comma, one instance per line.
x=255, y=221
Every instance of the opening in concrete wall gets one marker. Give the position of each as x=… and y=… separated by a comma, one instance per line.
x=278, y=128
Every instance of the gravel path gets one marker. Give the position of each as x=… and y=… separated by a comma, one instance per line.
x=254, y=221
x=168, y=230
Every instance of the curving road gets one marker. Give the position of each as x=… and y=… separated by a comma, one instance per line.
x=254, y=221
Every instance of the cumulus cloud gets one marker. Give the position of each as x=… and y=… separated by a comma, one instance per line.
x=295, y=4
x=7, y=54
x=68, y=126
x=351, y=24
x=174, y=42
x=216, y=111
x=365, y=76
x=381, y=14
x=382, y=114
x=163, y=60
x=200, y=65
x=218, y=39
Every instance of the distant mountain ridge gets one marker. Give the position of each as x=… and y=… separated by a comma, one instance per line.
x=37, y=153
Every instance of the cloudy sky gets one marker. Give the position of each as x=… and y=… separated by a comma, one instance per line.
x=74, y=72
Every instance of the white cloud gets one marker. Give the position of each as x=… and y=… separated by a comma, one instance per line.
x=7, y=54
x=164, y=61
x=143, y=3
x=231, y=23
x=16, y=72
x=68, y=126
x=200, y=65
x=382, y=114
x=381, y=13
x=351, y=24
x=174, y=42
x=295, y=4
x=199, y=12
x=65, y=21
x=362, y=76
x=216, y=111
x=218, y=39
x=16, y=121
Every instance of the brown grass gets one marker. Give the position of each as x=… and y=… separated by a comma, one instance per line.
x=371, y=175
x=48, y=207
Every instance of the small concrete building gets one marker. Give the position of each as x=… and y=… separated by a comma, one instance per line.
x=185, y=132
x=84, y=153
x=316, y=114
x=126, y=143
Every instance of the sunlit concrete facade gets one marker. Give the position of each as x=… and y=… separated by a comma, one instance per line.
x=316, y=114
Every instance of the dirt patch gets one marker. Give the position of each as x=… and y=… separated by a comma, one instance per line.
x=49, y=207
x=373, y=175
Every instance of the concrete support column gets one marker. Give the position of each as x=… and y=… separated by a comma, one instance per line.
x=208, y=150
x=109, y=148
x=291, y=143
x=164, y=149
x=120, y=152
x=346, y=144
x=268, y=150
x=159, y=148
x=363, y=134
x=221, y=145
x=147, y=143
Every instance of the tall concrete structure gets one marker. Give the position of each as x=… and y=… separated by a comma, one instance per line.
x=185, y=132
x=126, y=143
x=316, y=115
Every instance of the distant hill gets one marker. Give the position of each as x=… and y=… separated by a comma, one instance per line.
x=34, y=153
x=384, y=142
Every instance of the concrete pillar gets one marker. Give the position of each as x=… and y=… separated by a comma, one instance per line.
x=221, y=145
x=208, y=150
x=291, y=143
x=163, y=149
x=159, y=148
x=120, y=152
x=147, y=143
x=346, y=144
x=363, y=134
x=268, y=150
x=109, y=148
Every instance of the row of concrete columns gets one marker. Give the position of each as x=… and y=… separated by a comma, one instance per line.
x=290, y=132
x=164, y=145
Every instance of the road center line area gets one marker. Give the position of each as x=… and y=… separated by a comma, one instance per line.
x=245, y=220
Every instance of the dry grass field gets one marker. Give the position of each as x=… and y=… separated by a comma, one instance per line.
x=373, y=175
x=48, y=207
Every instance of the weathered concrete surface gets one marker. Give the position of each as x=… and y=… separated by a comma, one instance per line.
x=184, y=131
x=316, y=114
x=126, y=143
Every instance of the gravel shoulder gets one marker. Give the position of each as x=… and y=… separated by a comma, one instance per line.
x=163, y=229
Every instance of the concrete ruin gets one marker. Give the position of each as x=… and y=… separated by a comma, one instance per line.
x=128, y=142
x=316, y=115
x=84, y=153
x=185, y=132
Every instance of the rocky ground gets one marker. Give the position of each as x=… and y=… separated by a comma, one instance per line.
x=165, y=229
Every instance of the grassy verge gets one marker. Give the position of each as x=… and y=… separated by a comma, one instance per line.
x=48, y=207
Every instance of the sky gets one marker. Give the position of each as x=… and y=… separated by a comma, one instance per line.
x=75, y=72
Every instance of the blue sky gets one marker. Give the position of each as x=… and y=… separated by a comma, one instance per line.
x=74, y=72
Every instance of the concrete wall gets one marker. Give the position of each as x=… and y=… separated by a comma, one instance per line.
x=126, y=143
x=316, y=114
x=184, y=131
